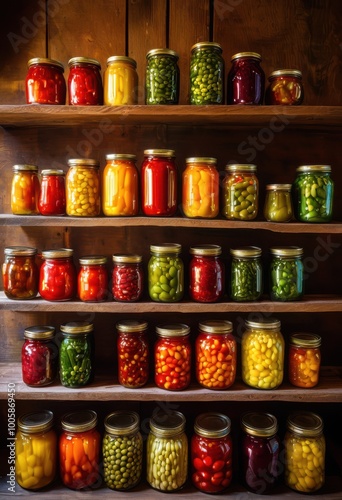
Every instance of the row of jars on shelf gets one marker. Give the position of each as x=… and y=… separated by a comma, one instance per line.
x=87, y=458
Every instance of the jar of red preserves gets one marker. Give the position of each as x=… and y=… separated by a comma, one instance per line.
x=120, y=187
x=211, y=453
x=20, y=273
x=83, y=188
x=58, y=277
x=92, y=279
x=39, y=356
x=85, y=82
x=172, y=357
x=25, y=190
x=285, y=87
x=133, y=353
x=304, y=359
x=216, y=352
x=246, y=79
x=45, y=83
x=127, y=277
x=52, y=192
x=159, y=182
x=79, y=450
x=207, y=273
x=200, y=188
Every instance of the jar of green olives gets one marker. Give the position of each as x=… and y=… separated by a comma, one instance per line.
x=278, y=203
x=162, y=77
x=286, y=273
x=206, y=74
x=246, y=274
x=166, y=273
x=240, y=191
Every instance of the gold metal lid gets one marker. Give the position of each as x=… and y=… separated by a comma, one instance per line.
x=305, y=423
x=241, y=167
x=79, y=421
x=278, y=187
x=20, y=168
x=131, y=326
x=45, y=60
x=212, y=425
x=83, y=60
x=202, y=159
x=159, y=152
x=58, y=253
x=285, y=72
x=173, y=330
x=37, y=422
x=52, y=171
x=122, y=423
x=290, y=251
x=89, y=260
x=77, y=327
x=162, y=52
x=126, y=258
x=167, y=424
x=18, y=251
x=264, y=324
x=246, y=252
x=166, y=248
x=120, y=156
x=39, y=332
x=206, y=250
x=305, y=340
x=216, y=326
x=239, y=55
x=206, y=45
x=123, y=59
x=315, y=168
x=83, y=162
x=259, y=424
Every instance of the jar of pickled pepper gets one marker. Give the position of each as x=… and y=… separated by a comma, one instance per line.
x=25, y=190
x=206, y=74
x=20, y=273
x=285, y=88
x=120, y=81
x=166, y=273
x=246, y=274
x=133, y=353
x=200, y=188
x=207, y=273
x=45, y=83
x=304, y=359
x=58, y=276
x=162, y=77
x=39, y=356
x=83, y=188
x=246, y=79
x=278, y=203
x=92, y=279
x=52, y=192
x=240, y=190
x=127, y=277
x=84, y=82
x=286, y=273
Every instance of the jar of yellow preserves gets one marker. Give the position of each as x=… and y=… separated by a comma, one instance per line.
x=83, y=188
x=25, y=190
x=120, y=82
x=120, y=185
x=200, y=188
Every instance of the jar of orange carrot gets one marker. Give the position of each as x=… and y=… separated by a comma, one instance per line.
x=304, y=359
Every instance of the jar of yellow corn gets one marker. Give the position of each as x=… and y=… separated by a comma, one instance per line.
x=83, y=188
x=120, y=185
x=120, y=81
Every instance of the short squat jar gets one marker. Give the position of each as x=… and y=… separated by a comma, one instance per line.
x=162, y=77
x=207, y=273
x=246, y=79
x=92, y=279
x=58, y=276
x=246, y=274
x=166, y=273
x=240, y=191
x=127, y=277
x=206, y=74
x=52, y=199
x=25, y=190
x=39, y=356
x=285, y=88
x=304, y=359
x=120, y=81
x=200, y=188
x=133, y=353
x=83, y=188
x=286, y=273
x=20, y=274
x=120, y=186
x=45, y=83
x=278, y=203
x=85, y=82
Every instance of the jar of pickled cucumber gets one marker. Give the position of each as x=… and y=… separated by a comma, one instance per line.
x=262, y=354
x=39, y=356
x=286, y=273
x=120, y=81
x=127, y=277
x=133, y=353
x=25, y=190
x=313, y=193
x=304, y=359
x=83, y=188
x=200, y=188
x=35, y=450
x=246, y=274
x=92, y=278
x=240, y=190
x=20, y=274
x=285, y=88
x=207, y=273
x=278, y=203
x=167, y=451
x=166, y=273
x=120, y=188
x=206, y=74
x=246, y=79
x=162, y=77
x=304, y=445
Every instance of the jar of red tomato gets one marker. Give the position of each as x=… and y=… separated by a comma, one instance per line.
x=304, y=359
x=246, y=79
x=58, y=277
x=92, y=279
x=211, y=453
x=39, y=356
x=172, y=357
x=79, y=450
x=133, y=353
x=285, y=87
x=52, y=192
x=128, y=277
x=20, y=273
x=207, y=273
x=25, y=190
x=45, y=83
x=85, y=82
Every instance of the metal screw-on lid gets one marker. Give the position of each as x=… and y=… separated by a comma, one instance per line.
x=212, y=425
x=89, y=260
x=240, y=55
x=278, y=187
x=290, y=251
x=206, y=45
x=131, y=326
x=162, y=52
x=120, y=156
x=285, y=72
x=58, y=253
x=305, y=340
x=167, y=424
x=127, y=258
x=24, y=166
x=45, y=60
x=259, y=424
x=160, y=152
x=122, y=423
x=52, y=171
x=264, y=324
x=39, y=332
x=20, y=251
x=173, y=330
x=83, y=162
x=76, y=327
x=166, y=248
x=313, y=168
x=206, y=250
x=246, y=252
x=241, y=167
x=305, y=424
x=83, y=60
x=79, y=421
x=36, y=422
x=216, y=326
x=202, y=159
x=123, y=59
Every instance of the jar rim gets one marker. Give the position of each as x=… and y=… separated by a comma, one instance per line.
x=25, y=166
x=290, y=251
x=247, y=252
x=259, y=424
x=285, y=72
x=219, y=327
x=166, y=248
x=84, y=162
x=39, y=332
x=173, y=330
x=45, y=60
x=79, y=421
x=206, y=45
x=305, y=340
x=212, y=425
x=20, y=251
x=121, y=156
x=58, y=253
x=244, y=167
x=305, y=423
x=92, y=260
x=239, y=55
x=206, y=250
x=36, y=421
x=168, y=424
x=131, y=326
x=318, y=168
x=159, y=152
x=126, y=59
x=264, y=323
x=278, y=187
x=126, y=258
x=52, y=171
x=84, y=60
x=122, y=422
x=202, y=159
x=77, y=327
x=162, y=51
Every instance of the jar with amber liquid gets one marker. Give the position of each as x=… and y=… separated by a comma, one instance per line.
x=25, y=190
x=304, y=359
x=120, y=81
x=285, y=88
x=200, y=188
x=83, y=188
x=120, y=189
x=278, y=203
x=20, y=273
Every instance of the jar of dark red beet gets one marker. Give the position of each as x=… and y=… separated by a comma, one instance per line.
x=246, y=79
x=85, y=82
x=127, y=277
x=207, y=273
x=58, y=278
x=52, y=199
x=45, y=83
x=39, y=356
x=133, y=353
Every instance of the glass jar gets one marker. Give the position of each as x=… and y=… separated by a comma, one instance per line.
x=39, y=356
x=52, y=193
x=262, y=354
x=211, y=453
x=20, y=274
x=76, y=354
x=79, y=450
x=246, y=274
x=313, y=193
x=120, y=189
x=207, y=273
x=133, y=353
x=122, y=440
x=45, y=83
x=159, y=183
x=285, y=88
x=286, y=273
x=167, y=435
x=304, y=444
x=162, y=77
x=200, y=188
x=278, y=203
x=304, y=359
x=246, y=79
x=240, y=190
x=84, y=82
x=35, y=450
x=92, y=279
x=83, y=188
x=206, y=74
x=216, y=353
x=58, y=277
x=172, y=357
x=260, y=452
x=25, y=190
x=127, y=277
x=120, y=81
x=166, y=273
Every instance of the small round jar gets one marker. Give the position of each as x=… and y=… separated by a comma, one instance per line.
x=304, y=445
x=52, y=199
x=127, y=277
x=79, y=450
x=39, y=356
x=167, y=445
x=278, y=203
x=304, y=359
x=83, y=188
x=200, y=188
x=45, y=83
x=285, y=88
x=206, y=74
x=92, y=279
x=260, y=452
x=84, y=82
x=313, y=193
x=25, y=190
x=120, y=187
x=20, y=274
x=262, y=341
x=286, y=273
x=35, y=450
x=133, y=353
x=166, y=273
x=122, y=450
x=246, y=79
x=207, y=273
x=240, y=190
x=246, y=274
x=58, y=276
x=120, y=81
x=159, y=183
x=172, y=357
x=211, y=453
x=162, y=77
x=215, y=354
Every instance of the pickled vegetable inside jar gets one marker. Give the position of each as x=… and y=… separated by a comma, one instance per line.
x=240, y=192
x=58, y=277
x=25, y=190
x=206, y=74
x=120, y=190
x=162, y=77
x=304, y=359
x=246, y=79
x=200, y=188
x=278, y=203
x=285, y=88
x=92, y=279
x=39, y=356
x=286, y=273
x=207, y=273
x=128, y=277
x=120, y=81
x=52, y=193
x=20, y=274
x=246, y=274
x=85, y=82
x=83, y=188
x=133, y=353
x=166, y=273
x=45, y=83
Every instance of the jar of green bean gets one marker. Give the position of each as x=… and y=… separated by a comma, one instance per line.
x=166, y=273
x=246, y=274
x=206, y=74
x=122, y=450
x=286, y=273
x=240, y=190
x=162, y=77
